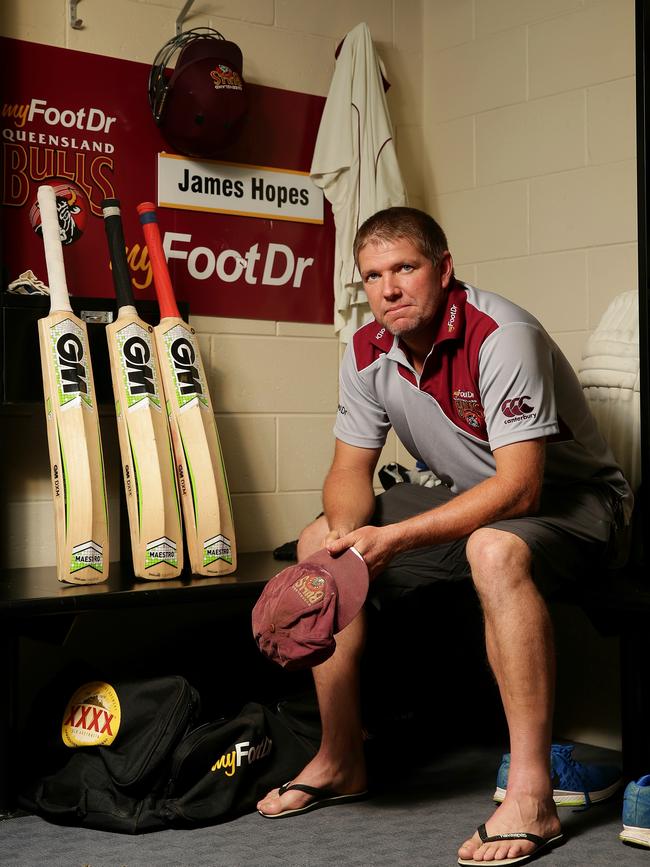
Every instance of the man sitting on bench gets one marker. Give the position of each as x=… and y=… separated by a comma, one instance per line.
x=476, y=389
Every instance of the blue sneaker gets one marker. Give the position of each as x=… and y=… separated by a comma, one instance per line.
x=636, y=813
x=574, y=784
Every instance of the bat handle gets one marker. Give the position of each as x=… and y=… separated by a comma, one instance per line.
x=161, y=278
x=117, y=250
x=59, y=299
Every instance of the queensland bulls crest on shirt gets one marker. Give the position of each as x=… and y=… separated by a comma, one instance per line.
x=468, y=408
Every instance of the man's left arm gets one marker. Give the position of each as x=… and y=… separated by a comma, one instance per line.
x=514, y=490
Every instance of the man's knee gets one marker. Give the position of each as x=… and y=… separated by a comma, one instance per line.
x=498, y=560
x=311, y=538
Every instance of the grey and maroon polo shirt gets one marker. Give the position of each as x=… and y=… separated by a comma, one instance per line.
x=493, y=377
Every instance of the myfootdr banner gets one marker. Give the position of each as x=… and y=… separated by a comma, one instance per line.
x=247, y=235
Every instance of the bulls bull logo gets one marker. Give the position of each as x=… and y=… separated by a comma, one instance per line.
x=71, y=209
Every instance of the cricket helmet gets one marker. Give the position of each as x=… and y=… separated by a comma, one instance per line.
x=201, y=103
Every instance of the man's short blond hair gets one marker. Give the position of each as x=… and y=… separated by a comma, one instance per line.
x=392, y=224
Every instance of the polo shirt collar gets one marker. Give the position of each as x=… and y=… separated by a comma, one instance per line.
x=450, y=324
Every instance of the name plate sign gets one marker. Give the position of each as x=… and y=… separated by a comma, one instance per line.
x=234, y=188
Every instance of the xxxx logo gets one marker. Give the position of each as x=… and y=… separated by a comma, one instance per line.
x=516, y=407
x=92, y=716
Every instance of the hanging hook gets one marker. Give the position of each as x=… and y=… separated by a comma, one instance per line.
x=181, y=18
x=75, y=23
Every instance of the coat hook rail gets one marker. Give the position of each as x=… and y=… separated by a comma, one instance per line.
x=181, y=18
x=75, y=23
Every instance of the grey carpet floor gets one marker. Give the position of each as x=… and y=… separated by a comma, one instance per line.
x=417, y=816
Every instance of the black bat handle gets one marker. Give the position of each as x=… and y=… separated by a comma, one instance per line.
x=117, y=250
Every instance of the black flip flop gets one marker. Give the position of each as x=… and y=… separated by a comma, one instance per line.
x=541, y=843
x=323, y=797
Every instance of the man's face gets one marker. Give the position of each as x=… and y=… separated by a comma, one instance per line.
x=405, y=291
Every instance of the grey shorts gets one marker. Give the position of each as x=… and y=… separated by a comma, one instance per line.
x=574, y=533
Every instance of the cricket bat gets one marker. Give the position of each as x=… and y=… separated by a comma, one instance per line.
x=147, y=460
x=77, y=464
x=203, y=486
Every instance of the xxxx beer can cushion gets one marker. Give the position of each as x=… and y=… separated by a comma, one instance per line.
x=303, y=607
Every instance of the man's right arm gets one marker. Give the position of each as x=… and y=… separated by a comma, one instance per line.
x=348, y=494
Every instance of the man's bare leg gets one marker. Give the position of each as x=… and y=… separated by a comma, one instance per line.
x=520, y=650
x=339, y=763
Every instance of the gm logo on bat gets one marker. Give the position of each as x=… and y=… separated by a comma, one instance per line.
x=70, y=350
x=70, y=353
x=136, y=356
x=182, y=354
x=187, y=374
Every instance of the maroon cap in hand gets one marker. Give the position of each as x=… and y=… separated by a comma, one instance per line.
x=304, y=606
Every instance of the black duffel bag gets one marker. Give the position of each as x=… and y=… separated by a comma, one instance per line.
x=130, y=758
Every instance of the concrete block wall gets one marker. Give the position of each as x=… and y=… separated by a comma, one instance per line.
x=529, y=123
x=530, y=128
x=274, y=384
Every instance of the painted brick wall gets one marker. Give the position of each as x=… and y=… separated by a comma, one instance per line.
x=529, y=120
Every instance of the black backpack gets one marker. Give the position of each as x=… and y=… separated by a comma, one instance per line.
x=129, y=757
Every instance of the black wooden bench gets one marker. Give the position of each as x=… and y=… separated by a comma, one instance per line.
x=32, y=602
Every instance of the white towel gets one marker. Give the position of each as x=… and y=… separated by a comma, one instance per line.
x=355, y=164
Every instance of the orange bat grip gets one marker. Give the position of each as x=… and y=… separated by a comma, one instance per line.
x=161, y=278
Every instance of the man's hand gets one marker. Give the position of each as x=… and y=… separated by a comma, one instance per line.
x=334, y=536
x=377, y=545
x=512, y=491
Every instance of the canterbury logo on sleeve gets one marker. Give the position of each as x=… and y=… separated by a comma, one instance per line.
x=517, y=406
